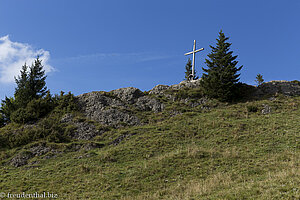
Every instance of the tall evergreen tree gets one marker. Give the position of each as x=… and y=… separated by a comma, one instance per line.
x=220, y=79
x=31, y=83
x=188, y=71
x=36, y=80
x=21, y=91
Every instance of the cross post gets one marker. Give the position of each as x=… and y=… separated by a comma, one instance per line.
x=193, y=64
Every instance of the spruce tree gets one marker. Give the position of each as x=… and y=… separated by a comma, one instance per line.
x=8, y=106
x=220, y=79
x=188, y=71
x=36, y=80
x=259, y=79
x=31, y=84
x=21, y=91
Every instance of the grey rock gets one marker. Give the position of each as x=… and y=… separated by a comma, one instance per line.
x=40, y=150
x=146, y=103
x=82, y=130
x=115, y=118
x=173, y=113
x=266, y=110
x=128, y=95
x=21, y=159
x=159, y=89
x=67, y=118
x=199, y=102
x=187, y=84
x=112, y=108
x=278, y=87
x=109, y=110
x=95, y=101
x=85, y=131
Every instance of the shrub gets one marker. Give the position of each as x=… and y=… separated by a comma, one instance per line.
x=252, y=108
x=35, y=109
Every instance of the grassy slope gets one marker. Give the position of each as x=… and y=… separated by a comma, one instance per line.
x=224, y=153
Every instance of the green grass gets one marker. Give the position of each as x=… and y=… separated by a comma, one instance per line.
x=226, y=152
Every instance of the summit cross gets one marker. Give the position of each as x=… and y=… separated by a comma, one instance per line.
x=193, y=64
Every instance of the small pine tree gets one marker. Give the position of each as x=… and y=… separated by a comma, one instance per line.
x=220, y=79
x=259, y=79
x=188, y=71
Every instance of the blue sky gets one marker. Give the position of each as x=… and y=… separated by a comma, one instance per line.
x=97, y=45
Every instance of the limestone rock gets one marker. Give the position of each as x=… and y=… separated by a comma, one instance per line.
x=94, y=101
x=115, y=118
x=129, y=94
x=21, y=159
x=83, y=130
x=159, y=89
x=146, y=103
x=287, y=88
x=187, y=84
x=266, y=110
x=113, y=108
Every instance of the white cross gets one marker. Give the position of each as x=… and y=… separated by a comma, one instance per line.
x=193, y=52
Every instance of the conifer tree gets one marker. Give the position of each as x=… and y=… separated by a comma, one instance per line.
x=36, y=80
x=21, y=91
x=31, y=83
x=188, y=71
x=8, y=106
x=220, y=79
x=259, y=79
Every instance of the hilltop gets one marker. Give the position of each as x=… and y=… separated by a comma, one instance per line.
x=167, y=143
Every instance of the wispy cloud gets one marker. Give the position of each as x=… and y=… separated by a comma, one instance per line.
x=13, y=55
x=121, y=57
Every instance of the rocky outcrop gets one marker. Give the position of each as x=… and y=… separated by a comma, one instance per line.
x=288, y=88
x=82, y=130
x=128, y=95
x=146, y=103
x=115, y=108
x=187, y=84
x=160, y=89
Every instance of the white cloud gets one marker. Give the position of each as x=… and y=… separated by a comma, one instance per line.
x=13, y=55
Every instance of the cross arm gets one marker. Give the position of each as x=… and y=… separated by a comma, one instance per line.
x=194, y=51
x=199, y=50
x=188, y=53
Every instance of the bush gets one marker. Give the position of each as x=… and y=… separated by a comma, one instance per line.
x=252, y=108
x=35, y=109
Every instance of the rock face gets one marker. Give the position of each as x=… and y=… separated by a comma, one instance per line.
x=128, y=95
x=114, y=108
x=287, y=88
x=159, y=89
x=82, y=130
x=187, y=84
